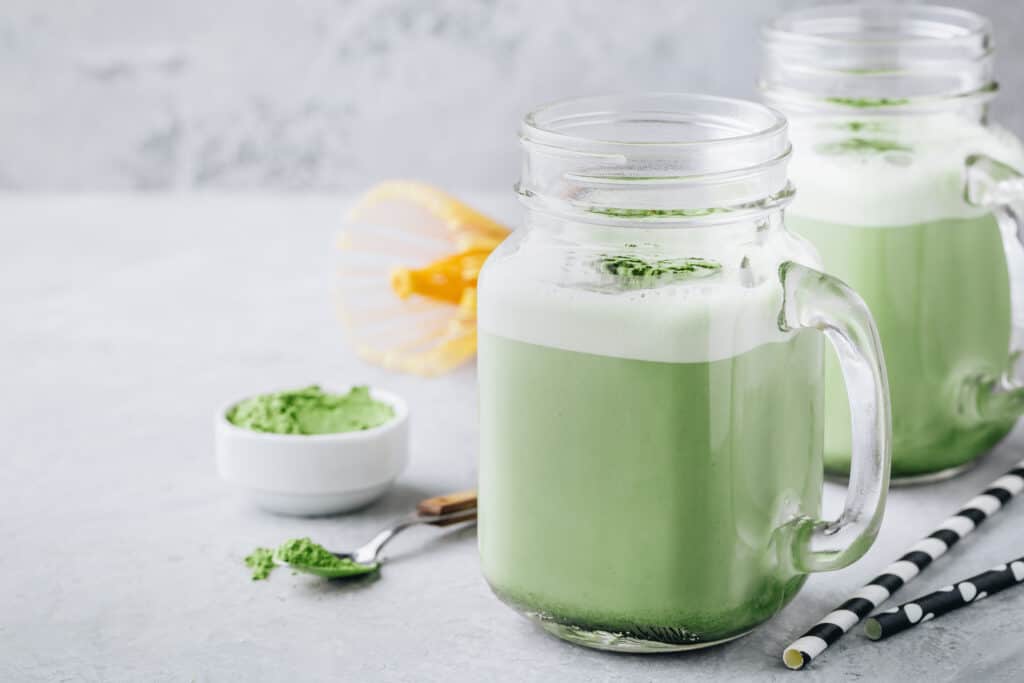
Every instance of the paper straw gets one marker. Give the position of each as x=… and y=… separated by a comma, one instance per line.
x=945, y=600
x=836, y=623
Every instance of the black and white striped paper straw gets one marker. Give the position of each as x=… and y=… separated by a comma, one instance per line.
x=945, y=600
x=836, y=623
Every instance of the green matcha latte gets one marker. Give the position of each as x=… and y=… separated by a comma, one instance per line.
x=883, y=200
x=907, y=189
x=643, y=436
x=651, y=376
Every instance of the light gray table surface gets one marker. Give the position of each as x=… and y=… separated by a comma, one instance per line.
x=126, y=320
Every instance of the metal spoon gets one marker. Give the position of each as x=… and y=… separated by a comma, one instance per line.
x=443, y=510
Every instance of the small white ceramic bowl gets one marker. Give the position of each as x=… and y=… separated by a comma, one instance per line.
x=318, y=474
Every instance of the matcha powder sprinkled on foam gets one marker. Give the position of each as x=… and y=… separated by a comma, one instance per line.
x=868, y=102
x=633, y=271
x=862, y=146
x=658, y=213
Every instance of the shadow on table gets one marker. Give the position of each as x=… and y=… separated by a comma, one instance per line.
x=398, y=502
x=440, y=538
x=345, y=585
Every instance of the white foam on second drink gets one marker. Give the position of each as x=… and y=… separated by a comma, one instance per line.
x=533, y=297
x=891, y=171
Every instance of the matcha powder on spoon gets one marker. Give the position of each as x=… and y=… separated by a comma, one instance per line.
x=305, y=555
x=302, y=553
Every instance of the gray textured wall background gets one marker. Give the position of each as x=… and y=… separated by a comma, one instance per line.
x=314, y=94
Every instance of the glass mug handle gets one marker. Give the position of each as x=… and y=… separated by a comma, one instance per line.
x=996, y=186
x=814, y=300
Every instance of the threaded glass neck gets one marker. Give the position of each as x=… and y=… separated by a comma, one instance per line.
x=889, y=57
x=660, y=158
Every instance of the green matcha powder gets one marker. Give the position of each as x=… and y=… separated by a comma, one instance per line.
x=261, y=561
x=862, y=146
x=310, y=411
x=303, y=552
x=635, y=272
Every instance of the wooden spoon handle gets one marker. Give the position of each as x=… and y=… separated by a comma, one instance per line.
x=463, y=501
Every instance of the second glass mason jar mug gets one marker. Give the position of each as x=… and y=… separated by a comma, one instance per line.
x=913, y=198
x=651, y=380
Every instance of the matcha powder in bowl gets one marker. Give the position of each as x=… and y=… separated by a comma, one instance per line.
x=311, y=411
x=310, y=451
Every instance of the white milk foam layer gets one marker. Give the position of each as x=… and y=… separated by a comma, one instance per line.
x=533, y=296
x=872, y=188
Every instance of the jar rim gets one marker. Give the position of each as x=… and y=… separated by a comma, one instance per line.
x=547, y=123
x=956, y=25
x=894, y=58
x=664, y=157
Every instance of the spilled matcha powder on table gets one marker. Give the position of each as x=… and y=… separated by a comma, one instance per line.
x=310, y=411
x=261, y=562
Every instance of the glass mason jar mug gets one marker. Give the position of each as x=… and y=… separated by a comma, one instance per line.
x=912, y=197
x=651, y=380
